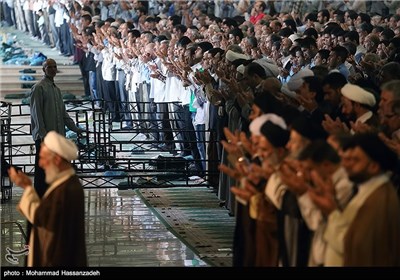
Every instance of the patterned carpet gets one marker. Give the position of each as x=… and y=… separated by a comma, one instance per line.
x=195, y=217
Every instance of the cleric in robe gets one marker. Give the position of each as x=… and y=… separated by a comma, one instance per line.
x=58, y=232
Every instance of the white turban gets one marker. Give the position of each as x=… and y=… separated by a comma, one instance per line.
x=115, y=24
x=271, y=69
x=257, y=123
x=296, y=81
x=232, y=56
x=60, y=145
x=96, y=19
x=294, y=37
x=358, y=94
x=240, y=69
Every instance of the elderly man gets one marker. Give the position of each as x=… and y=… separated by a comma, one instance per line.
x=47, y=113
x=270, y=134
x=390, y=92
x=58, y=235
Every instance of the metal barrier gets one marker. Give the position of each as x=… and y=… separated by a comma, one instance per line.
x=112, y=155
x=5, y=150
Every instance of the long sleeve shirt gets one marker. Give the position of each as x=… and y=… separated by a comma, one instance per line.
x=48, y=110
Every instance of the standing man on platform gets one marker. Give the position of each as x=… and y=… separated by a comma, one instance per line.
x=58, y=217
x=47, y=113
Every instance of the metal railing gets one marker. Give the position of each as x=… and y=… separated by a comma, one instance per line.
x=112, y=155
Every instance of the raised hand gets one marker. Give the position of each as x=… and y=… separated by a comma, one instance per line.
x=231, y=137
x=231, y=172
x=19, y=178
x=294, y=177
x=360, y=127
x=245, y=192
x=246, y=143
x=333, y=126
x=323, y=194
x=393, y=144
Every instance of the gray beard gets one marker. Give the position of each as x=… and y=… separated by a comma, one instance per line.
x=52, y=174
x=274, y=160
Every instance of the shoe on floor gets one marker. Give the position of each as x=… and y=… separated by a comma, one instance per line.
x=137, y=150
x=164, y=147
x=29, y=70
x=27, y=78
x=154, y=145
x=26, y=85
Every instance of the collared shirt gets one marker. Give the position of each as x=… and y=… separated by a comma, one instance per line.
x=363, y=119
x=48, y=110
x=343, y=70
x=108, y=67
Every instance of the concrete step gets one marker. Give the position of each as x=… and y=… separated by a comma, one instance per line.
x=37, y=68
x=39, y=72
x=38, y=76
x=75, y=90
x=63, y=87
x=63, y=80
x=68, y=79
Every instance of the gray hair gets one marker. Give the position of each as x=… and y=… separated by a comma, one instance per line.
x=394, y=87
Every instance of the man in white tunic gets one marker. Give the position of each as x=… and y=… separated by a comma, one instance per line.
x=58, y=227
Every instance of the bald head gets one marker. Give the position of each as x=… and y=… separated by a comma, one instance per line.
x=150, y=48
x=49, y=61
x=50, y=68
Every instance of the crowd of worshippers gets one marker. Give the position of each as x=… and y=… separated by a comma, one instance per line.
x=297, y=101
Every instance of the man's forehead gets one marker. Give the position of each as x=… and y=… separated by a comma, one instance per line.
x=44, y=149
x=49, y=62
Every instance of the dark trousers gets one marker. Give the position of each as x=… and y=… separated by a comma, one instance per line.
x=163, y=123
x=189, y=135
x=9, y=14
x=99, y=83
x=65, y=37
x=39, y=182
x=110, y=99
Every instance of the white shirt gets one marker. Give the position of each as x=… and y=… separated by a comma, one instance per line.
x=108, y=66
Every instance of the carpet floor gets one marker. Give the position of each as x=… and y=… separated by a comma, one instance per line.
x=195, y=217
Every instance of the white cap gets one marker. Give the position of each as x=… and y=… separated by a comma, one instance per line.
x=358, y=94
x=60, y=145
x=115, y=24
x=271, y=69
x=294, y=37
x=240, y=69
x=257, y=123
x=96, y=19
x=296, y=80
x=232, y=56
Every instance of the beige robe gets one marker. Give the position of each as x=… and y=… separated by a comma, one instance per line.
x=367, y=232
x=58, y=234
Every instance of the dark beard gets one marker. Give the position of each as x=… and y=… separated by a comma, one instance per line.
x=351, y=117
x=359, y=178
x=385, y=129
